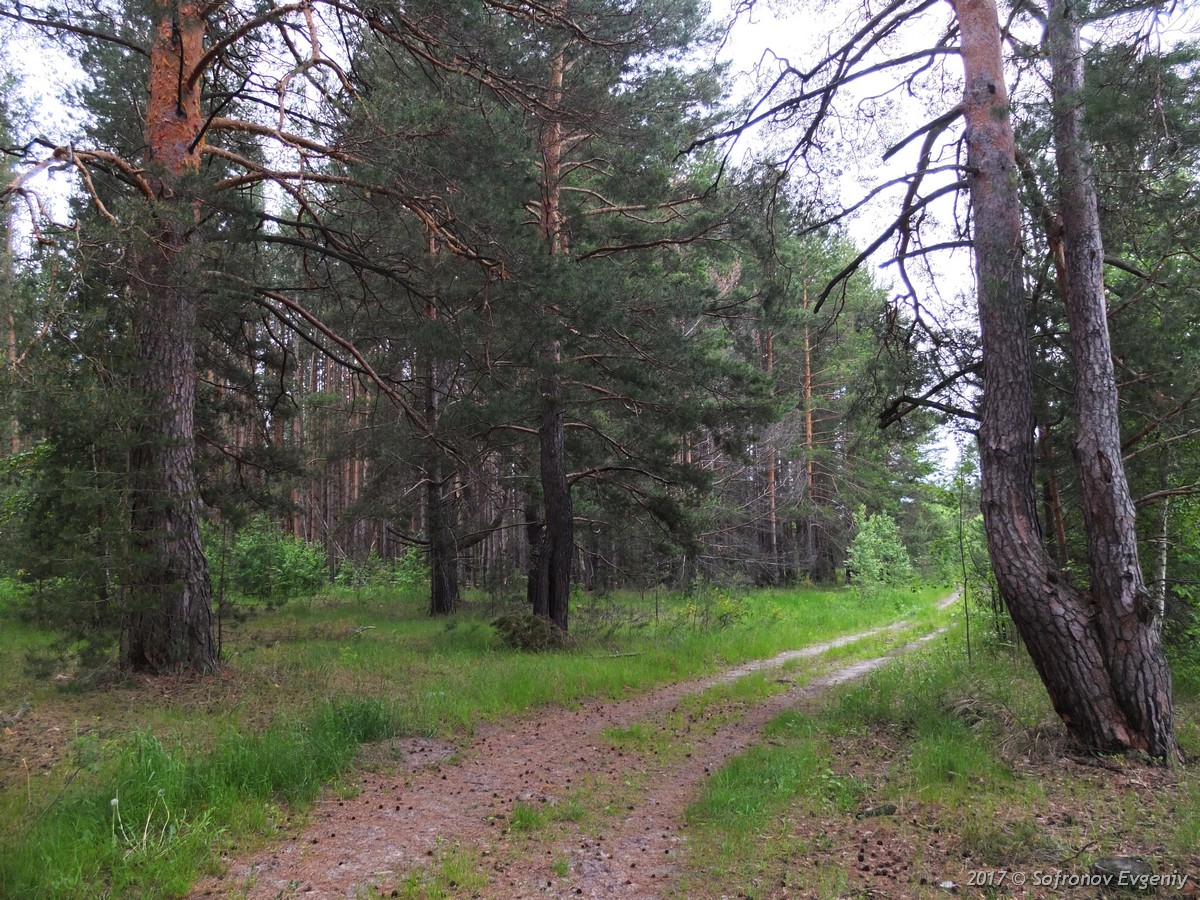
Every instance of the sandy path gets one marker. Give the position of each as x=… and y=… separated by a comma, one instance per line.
x=400, y=820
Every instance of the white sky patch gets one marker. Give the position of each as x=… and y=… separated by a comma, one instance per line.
x=873, y=115
x=44, y=72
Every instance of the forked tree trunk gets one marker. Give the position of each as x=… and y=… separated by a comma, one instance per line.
x=1129, y=622
x=1057, y=622
x=168, y=625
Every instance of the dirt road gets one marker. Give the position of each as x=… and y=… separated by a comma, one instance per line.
x=442, y=801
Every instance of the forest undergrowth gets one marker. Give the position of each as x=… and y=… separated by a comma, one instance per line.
x=134, y=787
x=934, y=771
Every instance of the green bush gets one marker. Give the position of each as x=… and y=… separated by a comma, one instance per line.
x=64, y=545
x=12, y=592
x=1181, y=625
x=408, y=572
x=530, y=633
x=411, y=571
x=710, y=608
x=269, y=565
x=878, y=557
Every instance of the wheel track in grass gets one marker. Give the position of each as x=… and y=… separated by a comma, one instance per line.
x=400, y=821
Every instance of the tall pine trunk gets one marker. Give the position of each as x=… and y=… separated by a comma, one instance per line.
x=774, y=568
x=168, y=625
x=442, y=550
x=1060, y=627
x=8, y=287
x=442, y=547
x=811, y=550
x=556, y=549
x=1130, y=625
x=550, y=579
x=443, y=554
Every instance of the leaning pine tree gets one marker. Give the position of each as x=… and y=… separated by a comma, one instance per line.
x=1098, y=649
x=1099, y=652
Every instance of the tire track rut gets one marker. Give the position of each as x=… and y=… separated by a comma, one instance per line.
x=401, y=820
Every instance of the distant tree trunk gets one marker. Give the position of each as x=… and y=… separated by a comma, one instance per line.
x=550, y=581
x=443, y=553
x=810, y=468
x=8, y=286
x=1129, y=622
x=539, y=600
x=1057, y=623
x=1164, y=548
x=169, y=625
x=774, y=569
x=818, y=564
x=1052, y=502
x=557, y=540
x=1164, y=534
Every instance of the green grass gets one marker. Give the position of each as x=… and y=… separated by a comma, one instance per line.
x=570, y=809
x=935, y=737
x=525, y=817
x=746, y=793
x=235, y=757
x=449, y=675
x=635, y=736
x=453, y=873
x=150, y=828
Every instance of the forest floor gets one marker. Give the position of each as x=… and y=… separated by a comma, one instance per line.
x=887, y=763
x=795, y=776
x=512, y=814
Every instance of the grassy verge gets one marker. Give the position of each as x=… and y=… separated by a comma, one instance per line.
x=199, y=766
x=143, y=819
x=930, y=773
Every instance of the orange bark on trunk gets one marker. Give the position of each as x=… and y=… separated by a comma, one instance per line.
x=174, y=116
x=169, y=624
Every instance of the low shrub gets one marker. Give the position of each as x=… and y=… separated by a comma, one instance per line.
x=533, y=634
x=271, y=566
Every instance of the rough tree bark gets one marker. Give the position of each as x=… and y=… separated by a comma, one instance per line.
x=550, y=581
x=1130, y=625
x=557, y=549
x=168, y=626
x=1071, y=648
x=442, y=548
